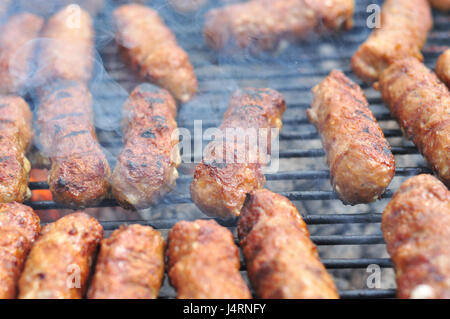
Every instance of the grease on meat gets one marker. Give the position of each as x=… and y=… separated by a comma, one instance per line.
x=16, y=135
x=60, y=261
x=19, y=228
x=130, y=265
x=404, y=29
x=147, y=166
x=203, y=262
x=232, y=168
x=421, y=104
x=359, y=156
x=416, y=227
x=282, y=261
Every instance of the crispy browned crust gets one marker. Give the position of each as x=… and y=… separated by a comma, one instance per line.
x=19, y=227
x=416, y=227
x=16, y=52
x=220, y=186
x=80, y=173
x=443, y=5
x=203, y=262
x=16, y=135
x=61, y=258
x=443, y=67
x=147, y=166
x=421, y=103
x=404, y=28
x=151, y=49
x=262, y=24
x=67, y=50
x=282, y=261
x=359, y=156
x=130, y=265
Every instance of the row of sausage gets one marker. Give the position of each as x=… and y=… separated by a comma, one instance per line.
x=202, y=260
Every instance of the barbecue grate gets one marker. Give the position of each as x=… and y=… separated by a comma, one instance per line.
x=302, y=178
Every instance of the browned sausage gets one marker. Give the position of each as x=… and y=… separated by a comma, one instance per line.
x=404, y=28
x=262, y=24
x=60, y=261
x=147, y=166
x=67, y=50
x=359, y=156
x=80, y=173
x=443, y=5
x=420, y=102
x=151, y=49
x=17, y=51
x=16, y=135
x=443, y=67
x=416, y=226
x=130, y=265
x=203, y=262
x=282, y=261
x=19, y=227
x=224, y=177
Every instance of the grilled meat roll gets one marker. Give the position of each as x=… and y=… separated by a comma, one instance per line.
x=404, y=28
x=130, y=265
x=147, y=166
x=16, y=135
x=16, y=51
x=421, y=104
x=416, y=227
x=359, y=156
x=19, y=227
x=67, y=52
x=282, y=261
x=231, y=169
x=59, y=263
x=261, y=25
x=443, y=5
x=80, y=173
x=151, y=49
x=203, y=262
x=443, y=67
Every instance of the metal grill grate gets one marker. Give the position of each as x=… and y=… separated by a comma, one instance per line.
x=293, y=72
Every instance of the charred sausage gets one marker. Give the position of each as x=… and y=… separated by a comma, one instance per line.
x=67, y=50
x=19, y=227
x=359, y=156
x=59, y=263
x=421, y=103
x=282, y=261
x=17, y=51
x=260, y=25
x=404, y=28
x=147, y=166
x=151, y=49
x=80, y=173
x=130, y=265
x=227, y=174
x=416, y=227
x=443, y=67
x=16, y=135
x=203, y=262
